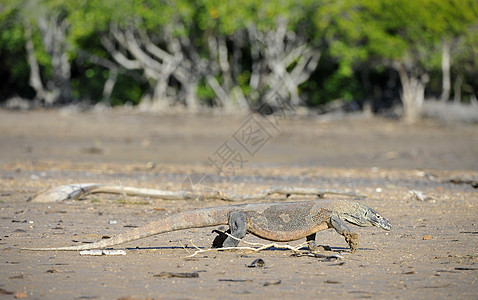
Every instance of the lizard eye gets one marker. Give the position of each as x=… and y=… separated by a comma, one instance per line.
x=379, y=216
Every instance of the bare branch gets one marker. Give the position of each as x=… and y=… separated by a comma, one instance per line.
x=135, y=49
x=118, y=56
x=153, y=49
x=77, y=191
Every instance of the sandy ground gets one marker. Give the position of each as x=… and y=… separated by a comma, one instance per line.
x=431, y=252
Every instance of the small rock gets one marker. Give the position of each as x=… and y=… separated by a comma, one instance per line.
x=331, y=281
x=54, y=270
x=420, y=196
x=257, y=263
x=20, y=295
x=273, y=283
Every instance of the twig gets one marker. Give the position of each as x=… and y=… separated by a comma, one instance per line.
x=185, y=247
x=294, y=249
x=263, y=247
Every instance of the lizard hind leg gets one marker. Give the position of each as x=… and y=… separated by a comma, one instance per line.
x=311, y=242
x=339, y=225
x=237, y=228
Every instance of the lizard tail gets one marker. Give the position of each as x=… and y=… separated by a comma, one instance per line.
x=190, y=219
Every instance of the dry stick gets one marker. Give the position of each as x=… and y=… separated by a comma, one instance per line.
x=294, y=249
x=460, y=179
x=77, y=191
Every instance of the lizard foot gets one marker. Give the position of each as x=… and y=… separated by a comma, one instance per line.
x=218, y=241
x=314, y=248
x=352, y=240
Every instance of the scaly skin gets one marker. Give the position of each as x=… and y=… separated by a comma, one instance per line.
x=281, y=221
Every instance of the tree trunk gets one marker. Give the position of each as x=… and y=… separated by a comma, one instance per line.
x=413, y=93
x=445, y=67
x=53, y=28
x=35, y=79
x=109, y=86
x=457, y=89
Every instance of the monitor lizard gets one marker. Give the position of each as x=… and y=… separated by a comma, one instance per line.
x=279, y=221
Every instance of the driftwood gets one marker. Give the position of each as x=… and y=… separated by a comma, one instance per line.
x=78, y=191
x=463, y=179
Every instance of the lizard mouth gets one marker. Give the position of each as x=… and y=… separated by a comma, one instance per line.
x=384, y=224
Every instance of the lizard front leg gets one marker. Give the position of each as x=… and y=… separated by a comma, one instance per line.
x=237, y=228
x=339, y=225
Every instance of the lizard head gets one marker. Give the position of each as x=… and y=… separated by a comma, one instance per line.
x=362, y=215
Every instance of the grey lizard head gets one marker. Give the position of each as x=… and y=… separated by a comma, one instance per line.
x=362, y=215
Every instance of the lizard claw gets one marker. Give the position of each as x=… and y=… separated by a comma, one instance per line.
x=352, y=240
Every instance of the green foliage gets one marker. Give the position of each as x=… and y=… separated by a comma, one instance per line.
x=12, y=42
x=14, y=69
x=352, y=35
x=127, y=91
x=88, y=82
x=243, y=81
x=205, y=93
x=393, y=30
x=229, y=17
x=330, y=83
x=381, y=32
